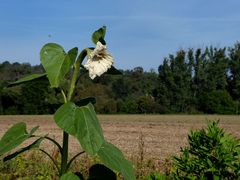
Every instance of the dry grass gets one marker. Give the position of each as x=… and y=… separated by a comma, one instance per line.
x=162, y=135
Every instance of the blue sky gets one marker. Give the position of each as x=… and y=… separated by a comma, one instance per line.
x=139, y=32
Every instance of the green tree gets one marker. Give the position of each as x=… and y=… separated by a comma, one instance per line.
x=10, y=101
x=38, y=98
x=146, y=104
x=218, y=102
x=234, y=74
x=175, y=77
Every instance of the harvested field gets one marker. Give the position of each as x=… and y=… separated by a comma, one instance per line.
x=162, y=135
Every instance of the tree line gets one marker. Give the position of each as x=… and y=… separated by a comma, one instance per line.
x=203, y=80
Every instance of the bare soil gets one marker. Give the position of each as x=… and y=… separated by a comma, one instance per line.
x=156, y=136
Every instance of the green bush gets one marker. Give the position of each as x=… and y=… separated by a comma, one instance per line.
x=219, y=102
x=212, y=154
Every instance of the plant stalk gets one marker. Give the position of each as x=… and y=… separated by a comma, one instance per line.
x=75, y=74
x=64, y=160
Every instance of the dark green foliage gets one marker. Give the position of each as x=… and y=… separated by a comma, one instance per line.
x=10, y=101
x=234, y=70
x=201, y=81
x=174, y=83
x=37, y=97
x=193, y=81
x=218, y=102
x=212, y=153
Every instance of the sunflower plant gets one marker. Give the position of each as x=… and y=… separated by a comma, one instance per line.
x=78, y=120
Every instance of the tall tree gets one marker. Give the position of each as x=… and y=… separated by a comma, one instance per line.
x=234, y=71
x=175, y=76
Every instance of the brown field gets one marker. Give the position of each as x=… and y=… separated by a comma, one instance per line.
x=163, y=135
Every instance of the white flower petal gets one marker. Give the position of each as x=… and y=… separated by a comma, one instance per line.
x=98, y=49
x=99, y=61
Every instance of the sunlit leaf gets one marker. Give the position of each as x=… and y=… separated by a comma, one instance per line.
x=82, y=123
x=35, y=144
x=99, y=35
x=65, y=118
x=89, y=131
x=55, y=62
x=27, y=78
x=14, y=137
x=112, y=157
x=72, y=53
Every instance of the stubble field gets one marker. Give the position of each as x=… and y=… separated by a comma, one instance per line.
x=155, y=136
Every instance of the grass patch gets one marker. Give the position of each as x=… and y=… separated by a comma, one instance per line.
x=35, y=166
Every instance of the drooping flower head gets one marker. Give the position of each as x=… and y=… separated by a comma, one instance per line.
x=99, y=61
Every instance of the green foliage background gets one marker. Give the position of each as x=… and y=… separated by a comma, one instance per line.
x=191, y=81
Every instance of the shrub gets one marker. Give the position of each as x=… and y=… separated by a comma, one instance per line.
x=219, y=102
x=212, y=154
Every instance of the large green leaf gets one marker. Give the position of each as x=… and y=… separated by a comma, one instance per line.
x=33, y=145
x=27, y=78
x=99, y=35
x=55, y=62
x=14, y=137
x=65, y=118
x=82, y=123
x=89, y=131
x=112, y=157
x=69, y=176
x=72, y=53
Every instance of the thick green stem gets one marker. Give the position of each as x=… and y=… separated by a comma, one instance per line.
x=64, y=160
x=75, y=73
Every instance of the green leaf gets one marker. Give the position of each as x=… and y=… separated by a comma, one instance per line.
x=69, y=176
x=65, y=118
x=14, y=137
x=35, y=144
x=72, y=55
x=99, y=35
x=112, y=157
x=89, y=131
x=55, y=62
x=82, y=123
x=27, y=78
